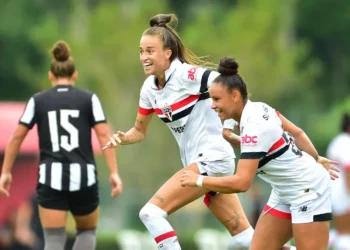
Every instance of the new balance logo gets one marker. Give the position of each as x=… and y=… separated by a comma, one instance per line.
x=303, y=209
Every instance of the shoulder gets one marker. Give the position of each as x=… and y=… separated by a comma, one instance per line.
x=188, y=72
x=83, y=92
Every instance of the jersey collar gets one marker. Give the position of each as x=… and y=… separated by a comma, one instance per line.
x=245, y=112
x=168, y=73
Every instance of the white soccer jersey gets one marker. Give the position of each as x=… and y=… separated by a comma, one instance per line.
x=339, y=150
x=290, y=171
x=184, y=105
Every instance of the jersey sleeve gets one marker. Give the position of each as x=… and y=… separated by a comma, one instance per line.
x=229, y=124
x=257, y=140
x=198, y=79
x=28, y=118
x=145, y=106
x=98, y=115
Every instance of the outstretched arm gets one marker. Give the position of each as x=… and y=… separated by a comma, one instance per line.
x=134, y=135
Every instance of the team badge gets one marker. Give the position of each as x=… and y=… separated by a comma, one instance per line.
x=167, y=111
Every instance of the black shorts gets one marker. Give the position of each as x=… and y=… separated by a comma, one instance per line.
x=81, y=202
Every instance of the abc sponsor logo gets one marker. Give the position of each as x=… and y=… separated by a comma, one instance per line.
x=246, y=139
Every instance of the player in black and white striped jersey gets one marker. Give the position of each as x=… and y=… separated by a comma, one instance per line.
x=67, y=179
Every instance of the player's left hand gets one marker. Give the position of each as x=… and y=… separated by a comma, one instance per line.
x=116, y=185
x=329, y=165
x=189, y=178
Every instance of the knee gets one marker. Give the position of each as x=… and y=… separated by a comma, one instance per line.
x=151, y=211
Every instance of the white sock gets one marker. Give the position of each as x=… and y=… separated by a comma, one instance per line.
x=153, y=218
x=243, y=239
x=292, y=248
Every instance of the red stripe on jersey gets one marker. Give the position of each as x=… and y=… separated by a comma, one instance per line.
x=165, y=236
x=143, y=111
x=277, y=144
x=347, y=166
x=277, y=213
x=179, y=104
x=278, y=113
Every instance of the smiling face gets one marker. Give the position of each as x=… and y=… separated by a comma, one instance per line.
x=227, y=104
x=154, y=58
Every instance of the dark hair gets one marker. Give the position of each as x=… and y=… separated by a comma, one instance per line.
x=229, y=77
x=171, y=40
x=62, y=64
x=345, y=124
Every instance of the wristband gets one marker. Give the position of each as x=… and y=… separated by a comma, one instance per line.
x=200, y=181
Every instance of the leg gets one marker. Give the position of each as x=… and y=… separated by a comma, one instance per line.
x=86, y=231
x=342, y=226
x=170, y=197
x=228, y=210
x=277, y=230
x=311, y=236
x=84, y=207
x=311, y=221
x=53, y=222
x=53, y=209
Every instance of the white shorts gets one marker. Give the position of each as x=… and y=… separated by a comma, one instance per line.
x=310, y=208
x=225, y=167
x=217, y=168
x=340, y=197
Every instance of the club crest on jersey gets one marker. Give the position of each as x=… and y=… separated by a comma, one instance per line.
x=167, y=111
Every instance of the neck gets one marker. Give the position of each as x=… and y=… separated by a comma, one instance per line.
x=63, y=82
x=161, y=80
x=238, y=116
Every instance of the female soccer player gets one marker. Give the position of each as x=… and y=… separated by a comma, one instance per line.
x=177, y=91
x=339, y=149
x=67, y=179
x=300, y=201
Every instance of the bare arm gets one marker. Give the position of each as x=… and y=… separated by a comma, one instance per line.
x=13, y=147
x=102, y=134
x=240, y=182
x=347, y=179
x=134, y=135
x=301, y=139
x=232, y=138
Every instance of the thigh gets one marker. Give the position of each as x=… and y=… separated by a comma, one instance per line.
x=228, y=210
x=85, y=201
x=342, y=223
x=88, y=221
x=271, y=232
x=53, y=206
x=172, y=196
x=52, y=218
x=311, y=236
x=311, y=222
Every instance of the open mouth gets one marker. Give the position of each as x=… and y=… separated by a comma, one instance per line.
x=147, y=65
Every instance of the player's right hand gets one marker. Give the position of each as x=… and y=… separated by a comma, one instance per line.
x=115, y=140
x=5, y=184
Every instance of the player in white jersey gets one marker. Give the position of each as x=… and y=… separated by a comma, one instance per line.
x=339, y=150
x=176, y=90
x=300, y=201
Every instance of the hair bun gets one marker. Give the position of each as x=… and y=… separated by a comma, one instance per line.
x=228, y=66
x=162, y=20
x=61, y=51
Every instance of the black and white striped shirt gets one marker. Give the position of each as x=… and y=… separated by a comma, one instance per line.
x=64, y=116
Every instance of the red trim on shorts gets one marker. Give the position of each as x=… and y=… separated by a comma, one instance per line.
x=278, y=113
x=206, y=199
x=347, y=166
x=143, y=111
x=277, y=213
x=165, y=236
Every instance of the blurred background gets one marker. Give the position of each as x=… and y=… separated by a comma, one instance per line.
x=293, y=55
